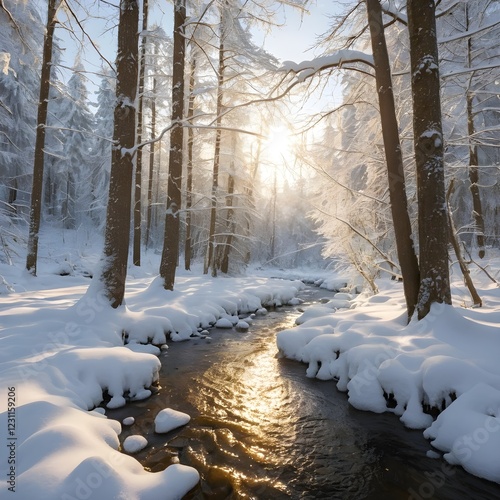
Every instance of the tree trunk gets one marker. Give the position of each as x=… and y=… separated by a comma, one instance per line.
x=230, y=223
x=394, y=159
x=474, y=181
x=136, y=255
x=473, y=157
x=461, y=262
x=151, y=160
x=170, y=252
x=38, y=164
x=210, y=256
x=13, y=197
x=189, y=180
x=428, y=144
x=117, y=234
x=250, y=198
x=272, y=243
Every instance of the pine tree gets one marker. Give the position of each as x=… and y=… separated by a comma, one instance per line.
x=101, y=150
x=19, y=84
x=75, y=170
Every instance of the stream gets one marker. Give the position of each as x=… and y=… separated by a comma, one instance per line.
x=261, y=430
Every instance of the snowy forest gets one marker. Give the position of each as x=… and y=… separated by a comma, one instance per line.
x=166, y=177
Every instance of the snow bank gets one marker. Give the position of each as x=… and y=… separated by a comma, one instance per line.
x=469, y=431
x=447, y=362
x=201, y=302
x=62, y=353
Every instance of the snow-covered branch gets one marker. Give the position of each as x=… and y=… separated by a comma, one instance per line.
x=463, y=71
x=469, y=33
x=355, y=192
x=14, y=23
x=307, y=69
x=362, y=236
x=390, y=10
x=185, y=124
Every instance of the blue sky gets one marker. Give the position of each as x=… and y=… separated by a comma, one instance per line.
x=293, y=40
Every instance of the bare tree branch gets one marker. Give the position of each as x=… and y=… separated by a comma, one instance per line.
x=75, y=17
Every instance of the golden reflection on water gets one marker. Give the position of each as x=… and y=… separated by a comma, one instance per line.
x=260, y=430
x=244, y=409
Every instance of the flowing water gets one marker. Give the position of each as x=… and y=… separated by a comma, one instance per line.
x=261, y=430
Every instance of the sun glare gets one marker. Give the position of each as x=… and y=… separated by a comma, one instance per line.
x=279, y=142
x=279, y=156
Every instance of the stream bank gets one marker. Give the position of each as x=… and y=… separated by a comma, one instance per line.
x=261, y=429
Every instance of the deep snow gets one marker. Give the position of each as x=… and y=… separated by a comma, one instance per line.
x=62, y=349
x=448, y=361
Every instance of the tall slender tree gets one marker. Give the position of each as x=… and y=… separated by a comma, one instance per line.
x=188, y=245
x=43, y=102
x=210, y=261
x=429, y=147
x=394, y=158
x=170, y=252
x=136, y=255
x=152, y=146
x=117, y=233
x=477, y=205
x=230, y=218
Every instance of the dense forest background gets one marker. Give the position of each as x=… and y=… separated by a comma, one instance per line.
x=248, y=195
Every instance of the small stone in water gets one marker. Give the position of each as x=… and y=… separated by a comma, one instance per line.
x=224, y=323
x=128, y=421
x=144, y=394
x=169, y=419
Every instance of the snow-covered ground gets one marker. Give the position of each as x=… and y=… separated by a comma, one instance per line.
x=448, y=361
x=62, y=351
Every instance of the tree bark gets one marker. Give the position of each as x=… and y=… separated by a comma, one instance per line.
x=230, y=222
x=136, y=254
x=151, y=161
x=394, y=158
x=473, y=156
x=210, y=256
x=38, y=164
x=117, y=234
x=477, y=208
x=189, y=169
x=170, y=252
x=428, y=144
